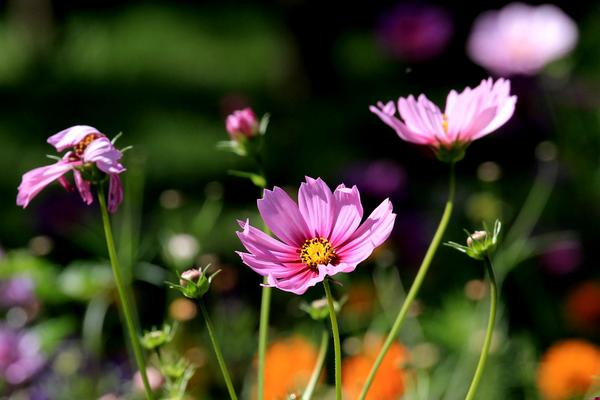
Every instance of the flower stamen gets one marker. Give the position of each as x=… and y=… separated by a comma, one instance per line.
x=317, y=251
x=445, y=123
x=80, y=147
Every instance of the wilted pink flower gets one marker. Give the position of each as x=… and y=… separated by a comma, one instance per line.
x=242, y=123
x=91, y=153
x=469, y=115
x=319, y=236
x=414, y=32
x=521, y=39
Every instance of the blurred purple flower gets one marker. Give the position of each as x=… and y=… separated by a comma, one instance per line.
x=20, y=357
x=563, y=257
x=415, y=32
x=380, y=178
x=521, y=39
x=17, y=291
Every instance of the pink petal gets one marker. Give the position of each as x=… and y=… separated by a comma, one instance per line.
x=115, y=193
x=348, y=214
x=373, y=232
x=84, y=188
x=37, y=179
x=386, y=113
x=299, y=282
x=317, y=206
x=282, y=216
x=264, y=246
x=104, y=154
x=71, y=136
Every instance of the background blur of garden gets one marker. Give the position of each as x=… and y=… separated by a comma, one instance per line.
x=167, y=73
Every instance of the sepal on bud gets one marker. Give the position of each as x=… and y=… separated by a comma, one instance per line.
x=480, y=244
x=158, y=337
x=194, y=282
x=319, y=310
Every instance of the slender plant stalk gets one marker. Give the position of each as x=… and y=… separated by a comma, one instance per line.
x=125, y=304
x=263, y=330
x=218, y=353
x=314, y=378
x=414, y=289
x=336, y=341
x=490, y=331
x=265, y=310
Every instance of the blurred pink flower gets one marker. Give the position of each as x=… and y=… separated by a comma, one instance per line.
x=415, y=32
x=242, y=123
x=89, y=148
x=155, y=379
x=469, y=115
x=521, y=39
x=319, y=236
x=562, y=257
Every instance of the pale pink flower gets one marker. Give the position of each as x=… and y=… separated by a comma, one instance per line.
x=319, y=236
x=521, y=39
x=468, y=115
x=242, y=123
x=89, y=148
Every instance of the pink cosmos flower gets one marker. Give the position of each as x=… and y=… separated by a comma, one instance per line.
x=242, y=123
x=469, y=115
x=521, y=39
x=319, y=236
x=89, y=148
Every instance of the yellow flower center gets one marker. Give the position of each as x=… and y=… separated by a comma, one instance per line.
x=445, y=122
x=80, y=147
x=317, y=251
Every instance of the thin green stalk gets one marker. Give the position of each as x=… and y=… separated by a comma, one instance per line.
x=265, y=310
x=336, y=341
x=263, y=330
x=125, y=305
x=314, y=378
x=490, y=331
x=218, y=353
x=414, y=289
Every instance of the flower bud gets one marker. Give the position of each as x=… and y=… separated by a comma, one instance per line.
x=477, y=236
x=480, y=244
x=191, y=275
x=194, y=283
x=242, y=123
x=157, y=337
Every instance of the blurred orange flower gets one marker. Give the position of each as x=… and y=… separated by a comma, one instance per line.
x=569, y=368
x=288, y=365
x=390, y=381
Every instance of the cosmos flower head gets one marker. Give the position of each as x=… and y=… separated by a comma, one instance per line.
x=317, y=237
x=521, y=39
x=92, y=158
x=468, y=116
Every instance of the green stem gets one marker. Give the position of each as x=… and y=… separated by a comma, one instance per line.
x=263, y=330
x=336, y=341
x=414, y=289
x=314, y=378
x=125, y=305
x=218, y=353
x=490, y=331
